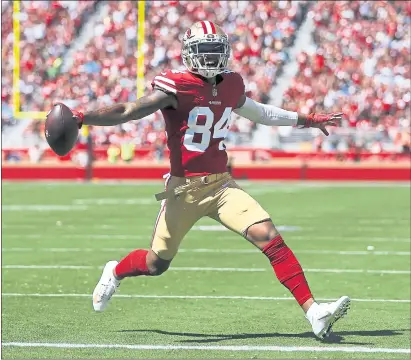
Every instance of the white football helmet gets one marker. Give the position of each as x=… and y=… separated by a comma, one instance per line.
x=206, y=49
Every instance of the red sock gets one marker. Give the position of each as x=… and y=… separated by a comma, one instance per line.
x=134, y=264
x=287, y=269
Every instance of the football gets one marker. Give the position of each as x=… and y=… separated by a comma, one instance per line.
x=61, y=130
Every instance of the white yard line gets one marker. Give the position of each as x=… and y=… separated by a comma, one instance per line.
x=116, y=201
x=349, y=238
x=225, y=234
x=201, y=297
x=72, y=267
x=44, y=207
x=218, y=269
x=79, y=236
x=359, y=271
x=343, y=349
x=213, y=251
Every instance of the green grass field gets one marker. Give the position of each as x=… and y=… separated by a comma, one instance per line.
x=220, y=299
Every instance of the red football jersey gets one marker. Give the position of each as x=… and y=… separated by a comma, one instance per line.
x=197, y=128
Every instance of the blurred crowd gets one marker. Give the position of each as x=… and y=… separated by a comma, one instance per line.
x=362, y=68
x=47, y=30
x=105, y=71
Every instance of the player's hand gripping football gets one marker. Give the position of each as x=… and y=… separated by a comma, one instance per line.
x=320, y=121
x=79, y=117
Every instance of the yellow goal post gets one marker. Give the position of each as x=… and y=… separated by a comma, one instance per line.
x=41, y=115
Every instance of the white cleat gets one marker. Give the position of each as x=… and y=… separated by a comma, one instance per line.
x=323, y=316
x=106, y=287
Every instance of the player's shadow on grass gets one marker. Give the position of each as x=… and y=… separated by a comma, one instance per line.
x=335, y=338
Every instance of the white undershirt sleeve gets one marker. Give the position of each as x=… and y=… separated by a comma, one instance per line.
x=266, y=114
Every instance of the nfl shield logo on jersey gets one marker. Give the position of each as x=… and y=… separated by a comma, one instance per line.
x=214, y=91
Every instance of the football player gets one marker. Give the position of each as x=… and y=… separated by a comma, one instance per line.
x=197, y=104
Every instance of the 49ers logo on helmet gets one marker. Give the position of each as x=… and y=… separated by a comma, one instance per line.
x=188, y=34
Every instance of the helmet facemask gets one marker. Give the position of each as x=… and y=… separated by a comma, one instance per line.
x=207, y=56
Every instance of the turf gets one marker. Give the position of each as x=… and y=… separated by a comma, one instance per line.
x=329, y=226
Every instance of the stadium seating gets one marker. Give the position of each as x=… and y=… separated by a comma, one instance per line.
x=356, y=41
x=104, y=72
x=48, y=29
x=362, y=67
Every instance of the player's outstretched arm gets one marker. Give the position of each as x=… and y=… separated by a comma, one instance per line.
x=274, y=116
x=121, y=113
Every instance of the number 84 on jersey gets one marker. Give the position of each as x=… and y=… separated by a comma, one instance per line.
x=201, y=123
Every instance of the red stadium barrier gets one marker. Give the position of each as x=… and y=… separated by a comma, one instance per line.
x=248, y=163
x=100, y=153
x=252, y=172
